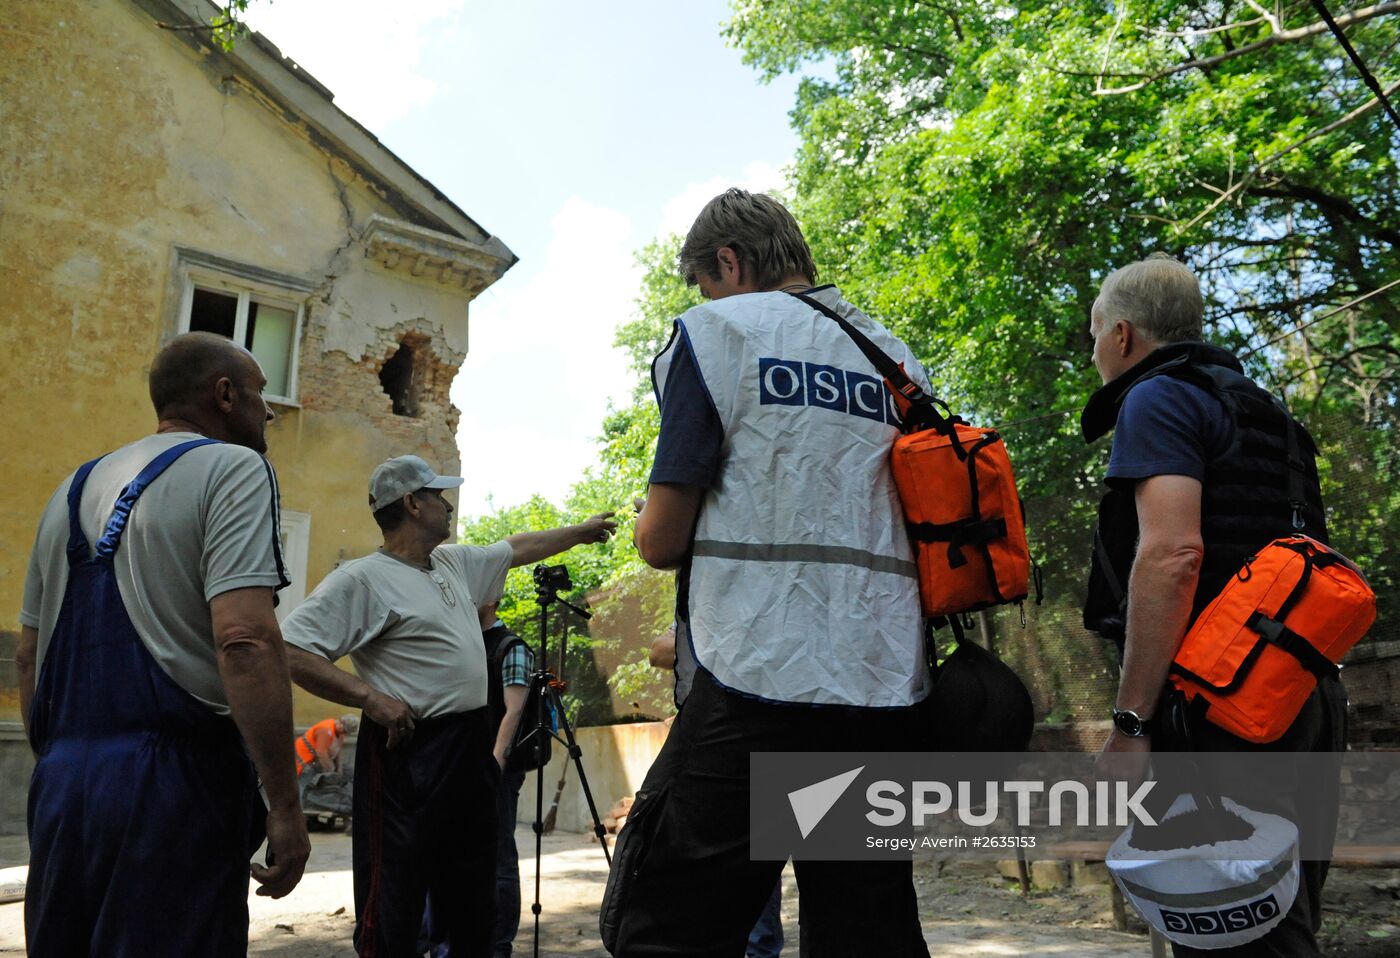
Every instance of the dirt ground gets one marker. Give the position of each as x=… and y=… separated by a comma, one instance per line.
x=968, y=909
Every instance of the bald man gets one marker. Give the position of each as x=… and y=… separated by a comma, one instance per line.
x=163, y=694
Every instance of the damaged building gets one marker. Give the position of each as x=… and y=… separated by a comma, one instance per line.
x=152, y=183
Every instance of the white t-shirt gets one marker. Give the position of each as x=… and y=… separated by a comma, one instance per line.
x=411, y=633
x=207, y=526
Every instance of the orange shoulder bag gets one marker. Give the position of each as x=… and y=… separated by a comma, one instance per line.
x=958, y=494
x=1281, y=623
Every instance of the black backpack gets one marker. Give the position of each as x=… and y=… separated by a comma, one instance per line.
x=522, y=755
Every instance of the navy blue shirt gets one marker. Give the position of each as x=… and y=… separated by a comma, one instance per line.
x=1167, y=428
x=691, y=436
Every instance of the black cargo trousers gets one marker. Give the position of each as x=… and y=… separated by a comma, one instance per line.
x=682, y=881
x=1321, y=726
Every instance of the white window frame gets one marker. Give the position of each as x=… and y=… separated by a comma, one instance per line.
x=250, y=285
x=296, y=546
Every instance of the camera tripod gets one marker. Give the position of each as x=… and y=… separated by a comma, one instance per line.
x=548, y=581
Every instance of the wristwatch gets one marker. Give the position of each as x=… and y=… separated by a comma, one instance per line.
x=1130, y=723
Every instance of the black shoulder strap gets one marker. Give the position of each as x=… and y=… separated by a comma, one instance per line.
x=886, y=366
x=1297, y=478
x=502, y=640
x=1110, y=575
x=927, y=415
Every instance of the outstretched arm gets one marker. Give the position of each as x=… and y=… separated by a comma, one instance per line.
x=530, y=547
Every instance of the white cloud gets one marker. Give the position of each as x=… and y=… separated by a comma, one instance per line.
x=541, y=366
x=366, y=51
x=680, y=211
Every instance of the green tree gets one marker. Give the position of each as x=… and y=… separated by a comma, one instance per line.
x=225, y=29
x=663, y=297
x=972, y=171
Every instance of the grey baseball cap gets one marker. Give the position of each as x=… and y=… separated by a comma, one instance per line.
x=395, y=478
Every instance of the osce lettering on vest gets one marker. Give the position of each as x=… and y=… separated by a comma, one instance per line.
x=792, y=382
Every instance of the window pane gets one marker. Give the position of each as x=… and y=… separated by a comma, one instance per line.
x=270, y=331
x=213, y=312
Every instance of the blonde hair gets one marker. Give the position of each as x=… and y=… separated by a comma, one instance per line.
x=1159, y=296
x=759, y=229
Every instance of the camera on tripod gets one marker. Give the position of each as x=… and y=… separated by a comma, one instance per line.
x=543, y=700
x=552, y=579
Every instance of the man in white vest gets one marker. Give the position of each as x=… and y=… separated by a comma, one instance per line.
x=772, y=495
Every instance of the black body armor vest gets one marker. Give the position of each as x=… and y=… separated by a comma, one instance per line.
x=498, y=639
x=1262, y=487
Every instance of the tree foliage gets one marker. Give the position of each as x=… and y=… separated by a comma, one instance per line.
x=663, y=297
x=972, y=171
x=968, y=173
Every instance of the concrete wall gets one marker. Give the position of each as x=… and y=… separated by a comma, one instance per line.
x=121, y=142
x=615, y=760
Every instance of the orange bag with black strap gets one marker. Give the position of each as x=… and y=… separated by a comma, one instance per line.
x=958, y=494
x=1285, y=620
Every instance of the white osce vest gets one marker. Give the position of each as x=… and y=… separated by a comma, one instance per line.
x=802, y=582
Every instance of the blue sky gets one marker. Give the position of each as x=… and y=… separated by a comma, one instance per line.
x=576, y=133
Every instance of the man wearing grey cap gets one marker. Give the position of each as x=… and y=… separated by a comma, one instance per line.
x=425, y=778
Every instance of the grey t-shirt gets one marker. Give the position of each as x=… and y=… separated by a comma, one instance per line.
x=207, y=526
x=411, y=633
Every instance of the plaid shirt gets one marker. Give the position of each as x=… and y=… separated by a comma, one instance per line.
x=517, y=666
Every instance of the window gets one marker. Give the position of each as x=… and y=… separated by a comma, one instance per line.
x=296, y=541
x=256, y=308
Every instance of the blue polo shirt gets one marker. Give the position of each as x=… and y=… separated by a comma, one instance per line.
x=1167, y=427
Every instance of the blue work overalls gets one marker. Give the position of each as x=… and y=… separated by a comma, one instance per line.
x=143, y=808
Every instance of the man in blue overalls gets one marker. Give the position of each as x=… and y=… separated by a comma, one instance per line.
x=162, y=693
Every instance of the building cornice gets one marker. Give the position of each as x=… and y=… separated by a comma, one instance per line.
x=451, y=260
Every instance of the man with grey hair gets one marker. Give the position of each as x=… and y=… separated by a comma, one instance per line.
x=1206, y=468
x=797, y=598
x=425, y=777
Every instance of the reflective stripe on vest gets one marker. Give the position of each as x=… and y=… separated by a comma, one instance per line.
x=306, y=748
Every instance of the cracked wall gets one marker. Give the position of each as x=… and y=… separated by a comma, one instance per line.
x=118, y=144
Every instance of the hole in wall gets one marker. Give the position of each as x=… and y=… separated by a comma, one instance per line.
x=400, y=382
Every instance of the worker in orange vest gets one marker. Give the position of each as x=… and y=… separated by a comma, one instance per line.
x=321, y=743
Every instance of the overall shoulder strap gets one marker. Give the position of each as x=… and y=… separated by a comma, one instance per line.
x=121, y=512
x=77, y=542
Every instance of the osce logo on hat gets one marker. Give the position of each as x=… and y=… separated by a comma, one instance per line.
x=395, y=478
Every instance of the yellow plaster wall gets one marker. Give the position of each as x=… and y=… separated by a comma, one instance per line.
x=119, y=142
